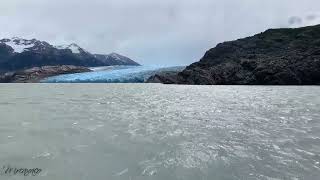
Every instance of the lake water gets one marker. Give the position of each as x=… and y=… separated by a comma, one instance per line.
x=160, y=132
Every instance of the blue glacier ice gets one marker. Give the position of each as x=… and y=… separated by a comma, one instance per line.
x=112, y=74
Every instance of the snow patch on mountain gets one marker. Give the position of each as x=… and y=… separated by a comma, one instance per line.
x=18, y=45
x=73, y=47
x=115, y=56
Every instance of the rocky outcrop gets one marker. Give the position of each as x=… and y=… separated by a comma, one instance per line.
x=274, y=57
x=37, y=73
x=164, y=77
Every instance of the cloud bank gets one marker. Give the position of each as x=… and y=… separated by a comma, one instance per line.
x=166, y=32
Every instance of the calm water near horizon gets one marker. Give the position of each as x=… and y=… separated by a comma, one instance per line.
x=160, y=132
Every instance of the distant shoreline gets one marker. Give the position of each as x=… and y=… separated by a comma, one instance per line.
x=35, y=74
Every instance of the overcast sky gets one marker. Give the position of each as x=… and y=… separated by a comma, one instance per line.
x=162, y=32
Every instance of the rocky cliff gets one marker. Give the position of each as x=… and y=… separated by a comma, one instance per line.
x=36, y=74
x=274, y=57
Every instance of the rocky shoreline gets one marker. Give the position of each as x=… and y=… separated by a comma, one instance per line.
x=274, y=57
x=36, y=74
x=164, y=78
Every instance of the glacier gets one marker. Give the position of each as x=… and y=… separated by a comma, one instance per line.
x=113, y=74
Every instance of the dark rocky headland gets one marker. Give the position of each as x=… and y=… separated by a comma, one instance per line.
x=34, y=75
x=274, y=57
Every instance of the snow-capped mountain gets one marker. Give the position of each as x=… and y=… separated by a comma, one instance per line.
x=115, y=59
x=17, y=53
x=20, y=45
x=73, y=47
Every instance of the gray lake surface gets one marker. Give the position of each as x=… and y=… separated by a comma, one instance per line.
x=160, y=132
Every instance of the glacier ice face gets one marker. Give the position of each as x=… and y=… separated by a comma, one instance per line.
x=114, y=74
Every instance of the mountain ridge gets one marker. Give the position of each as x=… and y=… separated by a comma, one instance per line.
x=17, y=53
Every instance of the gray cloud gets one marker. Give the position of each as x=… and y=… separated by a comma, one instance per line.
x=304, y=20
x=152, y=32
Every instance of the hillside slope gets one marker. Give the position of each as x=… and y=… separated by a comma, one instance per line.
x=274, y=57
